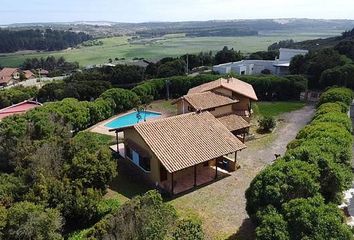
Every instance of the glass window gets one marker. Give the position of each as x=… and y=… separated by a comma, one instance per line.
x=128, y=152
x=144, y=163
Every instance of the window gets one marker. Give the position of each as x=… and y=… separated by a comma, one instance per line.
x=128, y=152
x=144, y=163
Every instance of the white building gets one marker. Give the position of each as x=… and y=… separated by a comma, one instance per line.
x=278, y=66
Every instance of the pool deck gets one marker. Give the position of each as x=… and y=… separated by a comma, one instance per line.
x=102, y=129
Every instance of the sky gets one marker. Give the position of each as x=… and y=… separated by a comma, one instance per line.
x=29, y=11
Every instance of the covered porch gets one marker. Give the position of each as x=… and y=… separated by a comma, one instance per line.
x=190, y=178
x=236, y=124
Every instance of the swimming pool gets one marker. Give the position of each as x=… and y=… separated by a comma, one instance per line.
x=131, y=119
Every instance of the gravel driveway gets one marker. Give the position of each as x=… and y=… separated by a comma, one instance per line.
x=221, y=205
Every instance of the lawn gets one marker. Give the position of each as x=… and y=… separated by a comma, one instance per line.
x=274, y=109
x=169, y=45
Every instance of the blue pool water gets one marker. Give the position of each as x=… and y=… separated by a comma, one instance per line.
x=131, y=119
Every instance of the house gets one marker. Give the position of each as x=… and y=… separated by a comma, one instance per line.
x=18, y=108
x=28, y=74
x=239, y=94
x=278, y=66
x=180, y=152
x=9, y=76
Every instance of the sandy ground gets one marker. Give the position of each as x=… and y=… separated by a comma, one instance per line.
x=221, y=205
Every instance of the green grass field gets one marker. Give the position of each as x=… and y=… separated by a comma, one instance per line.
x=170, y=45
x=274, y=109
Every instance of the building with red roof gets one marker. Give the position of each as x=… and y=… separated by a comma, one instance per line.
x=18, y=108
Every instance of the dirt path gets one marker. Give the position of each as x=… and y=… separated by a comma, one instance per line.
x=221, y=205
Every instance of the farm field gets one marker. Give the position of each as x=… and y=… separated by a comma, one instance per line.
x=169, y=45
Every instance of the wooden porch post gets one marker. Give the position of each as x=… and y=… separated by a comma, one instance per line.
x=117, y=143
x=216, y=168
x=172, y=183
x=195, y=175
x=235, y=156
x=244, y=137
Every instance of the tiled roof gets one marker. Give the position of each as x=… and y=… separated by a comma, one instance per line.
x=186, y=140
x=234, y=122
x=18, y=108
x=28, y=74
x=232, y=84
x=6, y=74
x=207, y=100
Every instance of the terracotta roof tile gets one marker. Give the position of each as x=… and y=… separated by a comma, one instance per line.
x=207, y=100
x=186, y=140
x=234, y=122
x=6, y=74
x=232, y=84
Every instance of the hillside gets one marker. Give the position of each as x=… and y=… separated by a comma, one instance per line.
x=315, y=44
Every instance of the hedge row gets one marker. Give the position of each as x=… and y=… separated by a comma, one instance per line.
x=266, y=87
x=15, y=95
x=297, y=196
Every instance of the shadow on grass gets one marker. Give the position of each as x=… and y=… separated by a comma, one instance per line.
x=129, y=182
x=245, y=232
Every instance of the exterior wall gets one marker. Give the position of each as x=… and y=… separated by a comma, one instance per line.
x=223, y=91
x=243, y=103
x=154, y=174
x=221, y=110
x=181, y=106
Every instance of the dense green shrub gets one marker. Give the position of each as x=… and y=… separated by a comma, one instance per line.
x=334, y=177
x=26, y=221
x=123, y=99
x=266, y=87
x=344, y=95
x=340, y=119
x=11, y=187
x=331, y=107
x=280, y=183
x=325, y=145
x=338, y=76
x=272, y=225
x=188, y=230
x=266, y=124
x=313, y=219
x=143, y=217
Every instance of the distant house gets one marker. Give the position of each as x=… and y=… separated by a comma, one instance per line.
x=278, y=66
x=180, y=152
x=18, y=108
x=220, y=97
x=43, y=73
x=28, y=74
x=9, y=76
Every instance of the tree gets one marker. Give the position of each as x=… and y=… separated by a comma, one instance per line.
x=27, y=221
x=143, y=217
x=272, y=225
x=227, y=55
x=313, y=219
x=297, y=64
x=188, y=230
x=92, y=169
x=281, y=182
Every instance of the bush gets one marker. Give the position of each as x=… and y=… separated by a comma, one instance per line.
x=16, y=94
x=337, y=118
x=335, y=107
x=29, y=221
x=266, y=124
x=123, y=99
x=143, y=217
x=313, y=219
x=280, y=183
x=332, y=95
x=273, y=226
x=188, y=230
